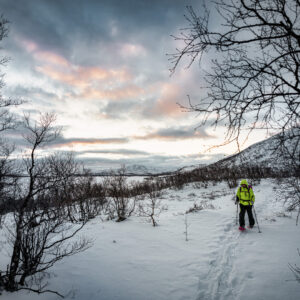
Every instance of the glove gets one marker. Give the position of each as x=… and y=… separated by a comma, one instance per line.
x=237, y=200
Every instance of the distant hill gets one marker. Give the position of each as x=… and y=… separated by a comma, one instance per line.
x=262, y=159
x=266, y=153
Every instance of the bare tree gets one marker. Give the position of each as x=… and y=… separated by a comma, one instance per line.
x=255, y=58
x=88, y=198
x=41, y=233
x=119, y=200
x=151, y=206
x=296, y=270
x=8, y=181
x=288, y=144
x=186, y=224
x=254, y=81
x=8, y=121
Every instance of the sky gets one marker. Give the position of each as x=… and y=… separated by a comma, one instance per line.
x=103, y=68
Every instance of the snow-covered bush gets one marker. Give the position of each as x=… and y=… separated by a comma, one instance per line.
x=200, y=206
x=196, y=207
x=191, y=195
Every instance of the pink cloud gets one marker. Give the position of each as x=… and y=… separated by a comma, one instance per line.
x=52, y=58
x=95, y=82
x=29, y=45
x=167, y=102
x=44, y=56
x=87, y=80
x=126, y=92
x=75, y=76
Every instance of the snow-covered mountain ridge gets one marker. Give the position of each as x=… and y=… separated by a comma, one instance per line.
x=265, y=154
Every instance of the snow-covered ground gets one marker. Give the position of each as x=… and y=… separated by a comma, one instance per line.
x=132, y=260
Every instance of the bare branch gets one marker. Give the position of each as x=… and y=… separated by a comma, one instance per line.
x=254, y=81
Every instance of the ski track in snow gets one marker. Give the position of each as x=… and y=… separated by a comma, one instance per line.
x=224, y=279
x=219, y=283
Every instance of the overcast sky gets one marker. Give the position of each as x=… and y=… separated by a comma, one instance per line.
x=102, y=67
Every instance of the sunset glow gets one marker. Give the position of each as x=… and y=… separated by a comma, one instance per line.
x=102, y=68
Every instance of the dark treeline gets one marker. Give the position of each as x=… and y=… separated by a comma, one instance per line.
x=216, y=173
x=84, y=187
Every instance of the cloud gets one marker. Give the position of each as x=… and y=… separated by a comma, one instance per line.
x=98, y=49
x=106, y=15
x=118, y=109
x=179, y=133
x=67, y=142
x=28, y=92
x=167, y=102
x=164, y=102
x=81, y=77
x=117, y=93
x=87, y=79
x=51, y=58
x=90, y=82
x=132, y=50
x=126, y=152
x=165, y=134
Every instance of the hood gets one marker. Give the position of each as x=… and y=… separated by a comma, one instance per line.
x=244, y=181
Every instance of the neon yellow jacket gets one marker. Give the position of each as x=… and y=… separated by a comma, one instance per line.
x=245, y=195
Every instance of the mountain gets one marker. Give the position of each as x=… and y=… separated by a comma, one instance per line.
x=274, y=152
x=189, y=168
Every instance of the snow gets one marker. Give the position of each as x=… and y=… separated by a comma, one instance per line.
x=132, y=260
x=266, y=153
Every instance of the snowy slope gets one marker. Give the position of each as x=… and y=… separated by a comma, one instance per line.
x=263, y=154
x=134, y=261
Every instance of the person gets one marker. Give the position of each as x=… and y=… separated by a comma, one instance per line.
x=245, y=197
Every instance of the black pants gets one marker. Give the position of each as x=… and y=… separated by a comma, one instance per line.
x=245, y=208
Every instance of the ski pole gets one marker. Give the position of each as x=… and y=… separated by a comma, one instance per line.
x=237, y=212
x=256, y=219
